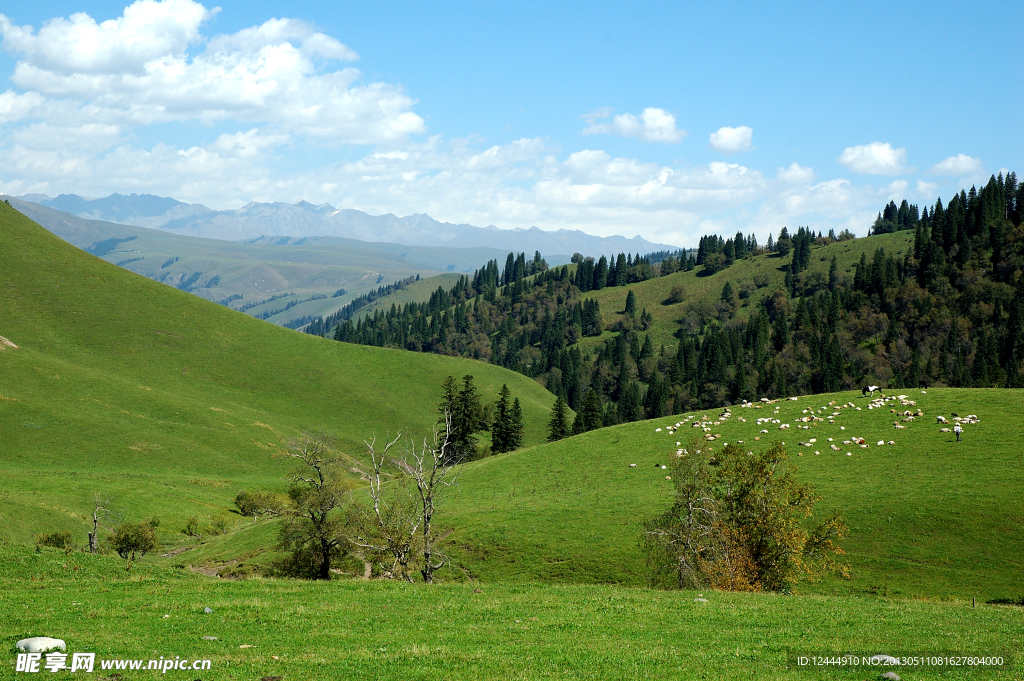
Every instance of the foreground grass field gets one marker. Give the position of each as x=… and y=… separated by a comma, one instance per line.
x=384, y=630
x=172, y=404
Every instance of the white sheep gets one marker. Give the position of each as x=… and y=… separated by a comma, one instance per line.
x=941, y=419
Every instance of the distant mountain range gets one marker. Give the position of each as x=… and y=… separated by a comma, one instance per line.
x=256, y=220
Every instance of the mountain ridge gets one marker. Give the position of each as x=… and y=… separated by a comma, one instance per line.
x=304, y=219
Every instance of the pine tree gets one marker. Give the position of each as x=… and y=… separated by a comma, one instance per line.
x=501, y=426
x=591, y=415
x=515, y=429
x=462, y=406
x=558, y=424
x=630, y=303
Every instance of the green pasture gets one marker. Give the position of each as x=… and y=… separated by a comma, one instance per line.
x=928, y=517
x=385, y=630
x=171, y=403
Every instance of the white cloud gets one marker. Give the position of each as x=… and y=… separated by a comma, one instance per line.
x=732, y=140
x=897, y=190
x=961, y=164
x=653, y=125
x=14, y=107
x=146, y=31
x=795, y=174
x=86, y=90
x=136, y=70
x=874, y=159
x=926, y=190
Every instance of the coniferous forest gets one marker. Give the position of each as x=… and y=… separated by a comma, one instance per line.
x=948, y=311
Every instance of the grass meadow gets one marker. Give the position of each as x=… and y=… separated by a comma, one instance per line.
x=384, y=630
x=172, y=404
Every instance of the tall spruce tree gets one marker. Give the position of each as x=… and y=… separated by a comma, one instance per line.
x=515, y=430
x=462, y=405
x=558, y=424
x=630, y=303
x=501, y=427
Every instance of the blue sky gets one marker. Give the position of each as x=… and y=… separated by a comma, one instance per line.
x=665, y=120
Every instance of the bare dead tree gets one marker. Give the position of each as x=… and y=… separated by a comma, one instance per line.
x=390, y=533
x=102, y=509
x=433, y=468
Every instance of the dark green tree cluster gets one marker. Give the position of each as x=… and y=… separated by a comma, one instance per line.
x=521, y=326
x=462, y=405
x=715, y=253
x=895, y=219
x=591, y=275
x=949, y=311
x=507, y=427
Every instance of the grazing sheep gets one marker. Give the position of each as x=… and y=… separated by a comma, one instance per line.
x=941, y=419
x=899, y=427
x=632, y=465
x=943, y=430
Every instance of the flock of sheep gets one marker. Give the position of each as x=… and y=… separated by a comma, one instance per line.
x=810, y=417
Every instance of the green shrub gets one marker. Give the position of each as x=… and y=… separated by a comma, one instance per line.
x=253, y=504
x=191, y=528
x=56, y=540
x=133, y=539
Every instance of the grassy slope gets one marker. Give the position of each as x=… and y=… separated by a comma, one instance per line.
x=382, y=630
x=173, y=403
x=416, y=292
x=928, y=516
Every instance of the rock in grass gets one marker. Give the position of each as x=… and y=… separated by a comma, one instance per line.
x=700, y=600
x=208, y=610
x=209, y=638
x=40, y=644
x=890, y=676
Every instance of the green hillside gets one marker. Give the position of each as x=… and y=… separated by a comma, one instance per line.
x=171, y=403
x=416, y=292
x=929, y=517
x=702, y=292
